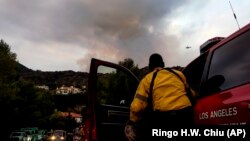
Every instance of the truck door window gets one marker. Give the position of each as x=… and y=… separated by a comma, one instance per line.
x=231, y=62
x=114, y=92
x=114, y=87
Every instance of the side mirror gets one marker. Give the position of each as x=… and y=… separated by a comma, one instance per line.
x=213, y=84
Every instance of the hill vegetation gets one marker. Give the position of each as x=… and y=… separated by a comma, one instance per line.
x=53, y=79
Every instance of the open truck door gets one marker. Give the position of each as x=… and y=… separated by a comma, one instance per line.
x=111, y=89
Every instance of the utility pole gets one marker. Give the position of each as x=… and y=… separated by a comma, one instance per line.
x=234, y=14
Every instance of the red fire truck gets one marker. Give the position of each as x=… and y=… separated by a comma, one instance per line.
x=221, y=76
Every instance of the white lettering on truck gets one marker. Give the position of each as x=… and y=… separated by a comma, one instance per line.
x=232, y=111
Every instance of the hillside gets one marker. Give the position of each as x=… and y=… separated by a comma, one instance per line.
x=53, y=79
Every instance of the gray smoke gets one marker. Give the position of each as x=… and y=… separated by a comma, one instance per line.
x=110, y=29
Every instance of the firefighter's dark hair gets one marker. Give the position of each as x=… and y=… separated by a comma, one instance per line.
x=155, y=60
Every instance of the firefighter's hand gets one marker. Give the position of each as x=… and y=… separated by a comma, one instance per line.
x=130, y=131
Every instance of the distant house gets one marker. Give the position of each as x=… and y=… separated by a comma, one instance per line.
x=68, y=90
x=42, y=87
x=77, y=117
x=84, y=89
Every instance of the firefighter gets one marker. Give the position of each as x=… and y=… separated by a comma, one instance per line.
x=167, y=97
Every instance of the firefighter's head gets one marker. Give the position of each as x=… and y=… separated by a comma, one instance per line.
x=155, y=60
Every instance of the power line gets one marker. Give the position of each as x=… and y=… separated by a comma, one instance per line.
x=234, y=14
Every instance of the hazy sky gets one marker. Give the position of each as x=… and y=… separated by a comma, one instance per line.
x=57, y=35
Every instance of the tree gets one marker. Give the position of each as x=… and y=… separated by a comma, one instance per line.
x=129, y=64
x=7, y=63
x=19, y=98
x=7, y=85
